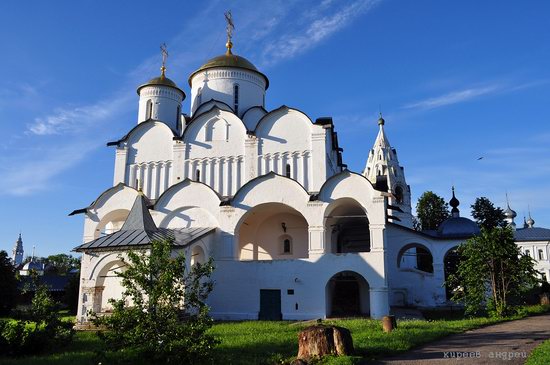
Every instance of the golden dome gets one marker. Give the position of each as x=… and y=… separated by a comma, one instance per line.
x=161, y=80
x=229, y=60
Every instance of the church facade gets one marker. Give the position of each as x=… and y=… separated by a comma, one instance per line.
x=293, y=233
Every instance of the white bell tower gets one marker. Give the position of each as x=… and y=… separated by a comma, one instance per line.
x=385, y=173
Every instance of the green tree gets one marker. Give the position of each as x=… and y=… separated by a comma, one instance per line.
x=167, y=320
x=431, y=211
x=61, y=264
x=8, y=284
x=487, y=215
x=492, y=273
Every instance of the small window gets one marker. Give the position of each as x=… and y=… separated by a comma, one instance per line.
x=178, y=114
x=288, y=171
x=199, y=97
x=527, y=253
x=287, y=245
x=198, y=175
x=541, y=254
x=290, y=291
x=236, y=98
x=148, y=110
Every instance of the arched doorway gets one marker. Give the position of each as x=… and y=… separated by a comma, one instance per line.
x=273, y=231
x=347, y=295
x=110, y=285
x=347, y=227
x=450, y=266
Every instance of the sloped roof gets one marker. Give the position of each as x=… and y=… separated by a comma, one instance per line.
x=139, y=217
x=127, y=239
x=139, y=229
x=532, y=234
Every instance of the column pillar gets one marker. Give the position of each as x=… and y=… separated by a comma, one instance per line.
x=121, y=158
x=251, y=162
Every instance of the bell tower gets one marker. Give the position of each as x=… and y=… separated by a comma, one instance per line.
x=385, y=173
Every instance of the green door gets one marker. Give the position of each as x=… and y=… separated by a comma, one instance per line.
x=270, y=305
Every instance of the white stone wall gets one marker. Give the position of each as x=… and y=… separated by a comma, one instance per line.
x=165, y=105
x=540, y=252
x=218, y=84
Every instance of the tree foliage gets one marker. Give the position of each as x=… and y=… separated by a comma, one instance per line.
x=8, y=284
x=492, y=273
x=40, y=327
x=487, y=215
x=431, y=211
x=167, y=318
x=61, y=264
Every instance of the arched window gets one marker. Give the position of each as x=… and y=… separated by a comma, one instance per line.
x=286, y=245
x=178, y=115
x=236, y=98
x=415, y=256
x=199, y=97
x=198, y=175
x=398, y=194
x=148, y=110
x=288, y=171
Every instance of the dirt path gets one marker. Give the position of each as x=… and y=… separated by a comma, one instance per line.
x=504, y=343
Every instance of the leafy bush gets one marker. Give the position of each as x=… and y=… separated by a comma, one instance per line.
x=168, y=319
x=40, y=329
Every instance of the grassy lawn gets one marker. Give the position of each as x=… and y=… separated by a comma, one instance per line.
x=258, y=342
x=540, y=355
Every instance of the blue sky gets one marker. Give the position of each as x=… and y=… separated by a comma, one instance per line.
x=455, y=81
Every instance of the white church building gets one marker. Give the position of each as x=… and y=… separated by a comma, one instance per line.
x=293, y=233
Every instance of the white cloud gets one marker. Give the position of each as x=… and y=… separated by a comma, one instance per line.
x=297, y=41
x=463, y=95
x=454, y=97
x=77, y=119
x=33, y=171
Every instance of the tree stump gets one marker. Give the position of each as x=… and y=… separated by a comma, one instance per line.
x=318, y=341
x=389, y=323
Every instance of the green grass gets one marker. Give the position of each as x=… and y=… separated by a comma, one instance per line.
x=540, y=355
x=260, y=342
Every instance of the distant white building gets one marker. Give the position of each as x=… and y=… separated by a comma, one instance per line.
x=293, y=233
x=17, y=252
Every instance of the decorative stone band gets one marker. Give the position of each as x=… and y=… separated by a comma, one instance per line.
x=229, y=74
x=167, y=92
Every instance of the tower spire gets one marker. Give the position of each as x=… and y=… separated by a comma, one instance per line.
x=229, y=29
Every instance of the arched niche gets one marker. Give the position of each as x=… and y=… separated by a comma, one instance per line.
x=198, y=256
x=263, y=230
x=346, y=227
x=111, y=222
x=347, y=294
x=415, y=256
x=217, y=129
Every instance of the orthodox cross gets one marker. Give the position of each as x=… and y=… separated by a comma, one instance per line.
x=164, y=51
x=229, y=28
